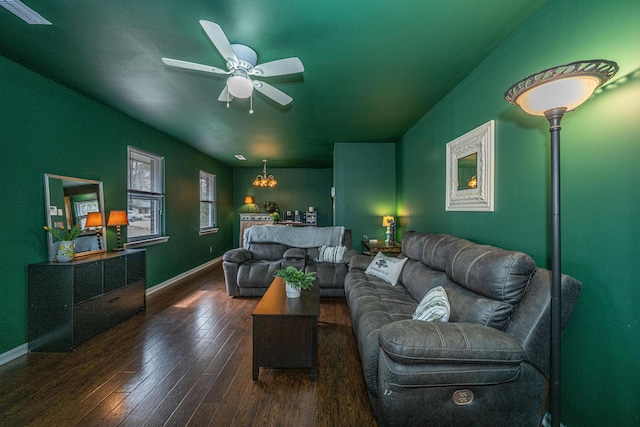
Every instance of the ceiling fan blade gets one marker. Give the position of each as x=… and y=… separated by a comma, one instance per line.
x=273, y=93
x=219, y=40
x=225, y=96
x=279, y=67
x=194, y=66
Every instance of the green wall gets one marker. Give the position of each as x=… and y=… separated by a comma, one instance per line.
x=47, y=128
x=365, y=181
x=600, y=148
x=297, y=189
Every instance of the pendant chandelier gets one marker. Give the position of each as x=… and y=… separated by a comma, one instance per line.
x=264, y=180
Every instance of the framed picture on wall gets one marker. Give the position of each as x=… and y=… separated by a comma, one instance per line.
x=470, y=159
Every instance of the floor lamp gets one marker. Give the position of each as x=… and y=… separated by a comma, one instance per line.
x=552, y=93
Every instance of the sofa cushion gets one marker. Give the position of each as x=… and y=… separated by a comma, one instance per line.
x=420, y=279
x=330, y=253
x=328, y=274
x=438, y=247
x=491, y=272
x=386, y=268
x=267, y=251
x=412, y=342
x=413, y=244
x=434, y=307
x=257, y=274
x=237, y=255
x=372, y=306
x=294, y=253
x=467, y=306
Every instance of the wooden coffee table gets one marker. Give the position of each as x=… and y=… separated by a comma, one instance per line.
x=285, y=330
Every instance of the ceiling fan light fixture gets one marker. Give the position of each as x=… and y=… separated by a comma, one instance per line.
x=239, y=84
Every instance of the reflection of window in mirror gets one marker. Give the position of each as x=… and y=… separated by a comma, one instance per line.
x=467, y=172
x=83, y=207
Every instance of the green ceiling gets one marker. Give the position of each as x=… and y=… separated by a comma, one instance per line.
x=372, y=67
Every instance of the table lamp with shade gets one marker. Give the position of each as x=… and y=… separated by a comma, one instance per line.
x=552, y=93
x=117, y=219
x=94, y=220
x=388, y=221
x=248, y=200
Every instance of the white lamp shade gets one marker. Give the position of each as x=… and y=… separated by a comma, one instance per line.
x=569, y=92
x=239, y=85
x=565, y=86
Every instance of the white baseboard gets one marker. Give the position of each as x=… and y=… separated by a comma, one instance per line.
x=182, y=276
x=8, y=356
x=24, y=348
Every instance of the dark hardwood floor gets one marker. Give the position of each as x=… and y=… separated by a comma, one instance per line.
x=187, y=361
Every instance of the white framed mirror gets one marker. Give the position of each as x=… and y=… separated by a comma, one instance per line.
x=68, y=201
x=470, y=159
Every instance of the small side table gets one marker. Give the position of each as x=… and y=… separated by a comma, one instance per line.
x=372, y=248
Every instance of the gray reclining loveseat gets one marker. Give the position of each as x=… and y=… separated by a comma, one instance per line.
x=248, y=271
x=487, y=366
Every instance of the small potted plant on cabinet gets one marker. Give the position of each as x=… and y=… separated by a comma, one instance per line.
x=295, y=280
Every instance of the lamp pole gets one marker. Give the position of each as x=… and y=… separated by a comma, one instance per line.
x=554, y=116
x=553, y=92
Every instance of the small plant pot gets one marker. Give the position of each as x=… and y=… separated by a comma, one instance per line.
x=291, y=291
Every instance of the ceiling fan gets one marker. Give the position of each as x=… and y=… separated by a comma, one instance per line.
x=241, y=65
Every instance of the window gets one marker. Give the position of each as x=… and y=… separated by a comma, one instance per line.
x=208, y=214
x=145, y=195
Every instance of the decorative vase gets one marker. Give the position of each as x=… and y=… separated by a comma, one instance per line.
x=291, y=291
x=66, y=251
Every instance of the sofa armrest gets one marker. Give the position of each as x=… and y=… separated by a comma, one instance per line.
x=411, y=342
x=237, y=255
x=360, y=262
x=294, y=254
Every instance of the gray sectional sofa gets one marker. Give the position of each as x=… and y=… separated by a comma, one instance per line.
x=248, y=271
x=487, y=366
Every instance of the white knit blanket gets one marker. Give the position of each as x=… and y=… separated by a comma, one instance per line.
x=297, y=237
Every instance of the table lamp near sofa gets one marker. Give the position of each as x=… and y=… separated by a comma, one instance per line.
x=388, y=221
x=117, y=219
x=552, y=93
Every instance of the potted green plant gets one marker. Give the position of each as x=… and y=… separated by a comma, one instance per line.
x=295, y=280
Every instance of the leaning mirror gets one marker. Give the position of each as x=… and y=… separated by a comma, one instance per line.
x=70, y=201
x=470, y=170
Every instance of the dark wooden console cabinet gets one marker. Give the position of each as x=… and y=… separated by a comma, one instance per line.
x=69, y=303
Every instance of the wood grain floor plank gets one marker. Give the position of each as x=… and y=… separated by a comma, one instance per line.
x=188, y=361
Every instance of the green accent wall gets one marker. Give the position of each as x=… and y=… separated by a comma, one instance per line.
x=599, y=151
x=297, y=189
x=47, y=128
x=365, y=182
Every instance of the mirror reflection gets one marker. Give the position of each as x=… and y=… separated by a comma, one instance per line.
x=467, y=172
x=71, y=201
